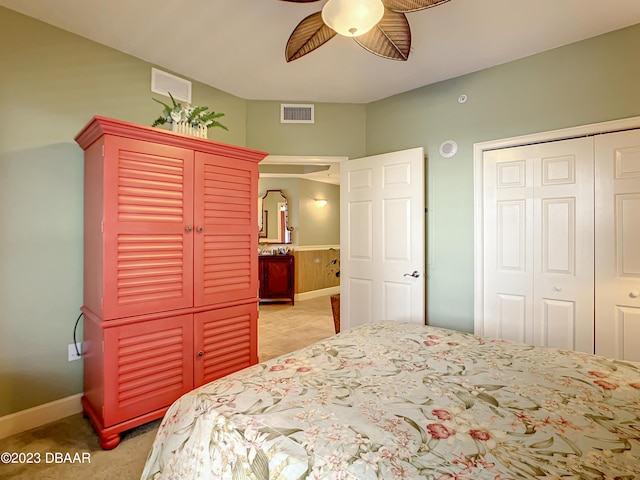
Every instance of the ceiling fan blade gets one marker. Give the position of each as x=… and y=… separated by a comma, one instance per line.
x=406, y=6
x=390, y=38
x=300, y=1
x=310, y=34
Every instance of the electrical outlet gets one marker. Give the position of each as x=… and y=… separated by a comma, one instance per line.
x=73, y=354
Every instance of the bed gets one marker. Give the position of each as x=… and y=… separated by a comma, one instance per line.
x=404, y=401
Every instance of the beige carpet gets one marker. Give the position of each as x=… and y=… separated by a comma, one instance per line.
x=282, y=328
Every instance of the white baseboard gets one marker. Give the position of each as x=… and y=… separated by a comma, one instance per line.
x=317, y=293
x=41, y=415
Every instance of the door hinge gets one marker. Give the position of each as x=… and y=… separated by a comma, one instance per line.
x=102, y=346
x=103, y=150
x=102, y=226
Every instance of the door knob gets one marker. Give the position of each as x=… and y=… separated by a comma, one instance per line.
x=634, y=294
x=188, y=228
x=201, y=228
x=200, y=353
x=414, y=274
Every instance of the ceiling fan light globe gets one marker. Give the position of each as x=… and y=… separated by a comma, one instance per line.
x=352, y=18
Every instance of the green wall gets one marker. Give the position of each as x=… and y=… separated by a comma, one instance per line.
x=53, y=82
x=339, y=130
x=51, y=85
x=311, y=225
x=318, y=226
x=586, y=82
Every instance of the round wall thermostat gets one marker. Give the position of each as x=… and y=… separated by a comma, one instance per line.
x=448, y=148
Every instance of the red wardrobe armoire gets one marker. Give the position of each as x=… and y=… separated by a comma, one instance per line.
x=170, y=269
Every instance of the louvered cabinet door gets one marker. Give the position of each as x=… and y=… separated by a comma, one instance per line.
x=225, y=341
x=148, y=227
x=225, y=222
x=147, y=366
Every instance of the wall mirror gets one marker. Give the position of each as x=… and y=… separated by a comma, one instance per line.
x=274, y=222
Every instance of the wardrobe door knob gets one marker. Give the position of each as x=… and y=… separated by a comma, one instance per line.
x=634, y=294
x=201, y=228
x=200, y=353
x=188, y=228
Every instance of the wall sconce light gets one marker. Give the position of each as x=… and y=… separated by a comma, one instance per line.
x=320, y=203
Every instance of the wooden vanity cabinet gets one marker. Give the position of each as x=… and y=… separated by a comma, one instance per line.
x=276, y=273
x=170, y=271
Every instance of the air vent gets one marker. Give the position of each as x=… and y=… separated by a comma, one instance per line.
x=163, y=83
x=296, y=113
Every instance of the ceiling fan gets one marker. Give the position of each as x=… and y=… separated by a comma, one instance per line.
x=379, y=26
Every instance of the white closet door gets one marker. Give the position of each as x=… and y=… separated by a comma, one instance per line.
x=538, y=237
x=508, y=239
x=618, y=245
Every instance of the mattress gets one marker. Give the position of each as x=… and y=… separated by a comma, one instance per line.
x=404, y=401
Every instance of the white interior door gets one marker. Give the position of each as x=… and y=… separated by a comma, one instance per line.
x=618, y=245
x=539, y=243
x=382, y=238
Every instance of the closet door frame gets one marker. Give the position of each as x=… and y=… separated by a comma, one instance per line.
x=478, y=155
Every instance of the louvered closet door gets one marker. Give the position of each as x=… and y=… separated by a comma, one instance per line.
x=618, y=245
x=226, y=232
x=150, y=366
x=538, y=242
x=225, y=341
x=147, y=228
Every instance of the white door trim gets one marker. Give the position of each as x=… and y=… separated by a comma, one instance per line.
x=478, y=153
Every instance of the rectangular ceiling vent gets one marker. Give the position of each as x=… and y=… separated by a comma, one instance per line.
x=163, y=83
x=296, y=113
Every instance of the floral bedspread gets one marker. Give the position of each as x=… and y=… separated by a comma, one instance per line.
x=405, y=401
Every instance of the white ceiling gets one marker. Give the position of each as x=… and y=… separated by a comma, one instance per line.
x=238, y=45
x=318, y=169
